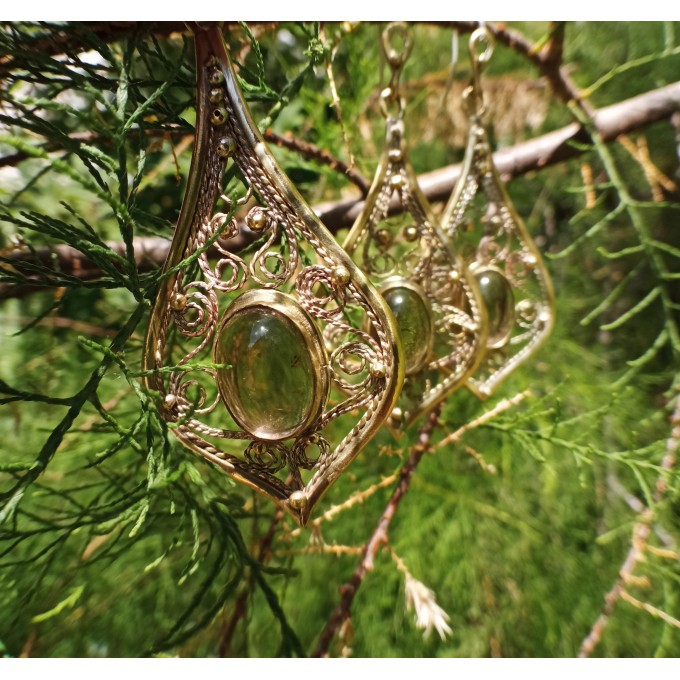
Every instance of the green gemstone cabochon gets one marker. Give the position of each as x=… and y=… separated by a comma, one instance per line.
x=414, y=323
x=500, y=305
x=269, y=386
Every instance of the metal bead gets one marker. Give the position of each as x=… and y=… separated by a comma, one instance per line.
x=410, y=233
x=530, y=259
x=395, y=154
x=297, y=500
x=454, y=275
x=169, y=401
x=218, y=116
x=340, y=276
x=396, y=416
x=215, y=95
x=216, y=77
x=257, y=219
x=225, y=147
x=178, y=302
x=378, y=370
x=384, y=237
x=397, y=181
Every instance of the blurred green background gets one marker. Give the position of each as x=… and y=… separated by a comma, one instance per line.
x=115, y=541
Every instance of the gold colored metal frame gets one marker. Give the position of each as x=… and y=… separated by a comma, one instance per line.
x=501, y=240
x=417, y=253
x=196, y=291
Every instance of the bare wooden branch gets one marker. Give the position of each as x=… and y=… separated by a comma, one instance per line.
x=540, y=152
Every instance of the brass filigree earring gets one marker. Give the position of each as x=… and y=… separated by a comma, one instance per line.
x=439, y=314
x=484, y=227
x=238, y=344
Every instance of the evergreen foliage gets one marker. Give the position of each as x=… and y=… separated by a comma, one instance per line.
x=116, y=541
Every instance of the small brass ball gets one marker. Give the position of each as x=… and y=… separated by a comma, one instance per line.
x=410, y=234
x=215, y=95
x=218, y=116
x=257, y=219
x=340, y=275
x=397, y=181
x=384, y=237
x=178, y=302
x=225, y=147
x=378, y=369
x=297, y=500
x=216, y=77
x=169, y=401
x=395, y=154
x=454, y=275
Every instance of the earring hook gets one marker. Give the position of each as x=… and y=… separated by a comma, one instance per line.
x=481, y=48
x=397, y=43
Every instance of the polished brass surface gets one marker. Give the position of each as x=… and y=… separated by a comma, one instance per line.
x=411, y=249
x=482, y=224
x=324, y=295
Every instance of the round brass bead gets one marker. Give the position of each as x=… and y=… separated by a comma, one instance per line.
x=178, y=302
x=396, y=416
x=215, y=95
x=216, y=77
x=395, y=154
x=218, y=116
x=384, y=237
x=378, y=369
x=169, y=401
x=257, y=219
x=225, y=147
x=454, y=275
x=340, y=276
x=410, y=234
x=397, y=181
x=297, y=500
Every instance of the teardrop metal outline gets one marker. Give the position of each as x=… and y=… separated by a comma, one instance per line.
x=394, y=162
x=480, y=173
x=216, y=113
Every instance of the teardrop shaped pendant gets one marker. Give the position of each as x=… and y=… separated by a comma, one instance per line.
x=246, y=349
x=482, y=224
x=436, y=303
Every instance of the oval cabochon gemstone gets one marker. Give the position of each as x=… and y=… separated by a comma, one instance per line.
x=272, y=384
x=414, y=323
x=500, y=305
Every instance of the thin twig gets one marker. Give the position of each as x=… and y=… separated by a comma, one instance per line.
x=263, y=553
x=323, y=550
x=320, y=155
x=650, y=609
x=358, y=497
x=640, y=535
x=501, y=406
x=377, y=539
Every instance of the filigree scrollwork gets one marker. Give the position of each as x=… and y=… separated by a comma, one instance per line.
x=481, y=223
x=429, y=291
x=258, y=335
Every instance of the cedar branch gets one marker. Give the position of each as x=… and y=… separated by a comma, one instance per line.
x=540, y=152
